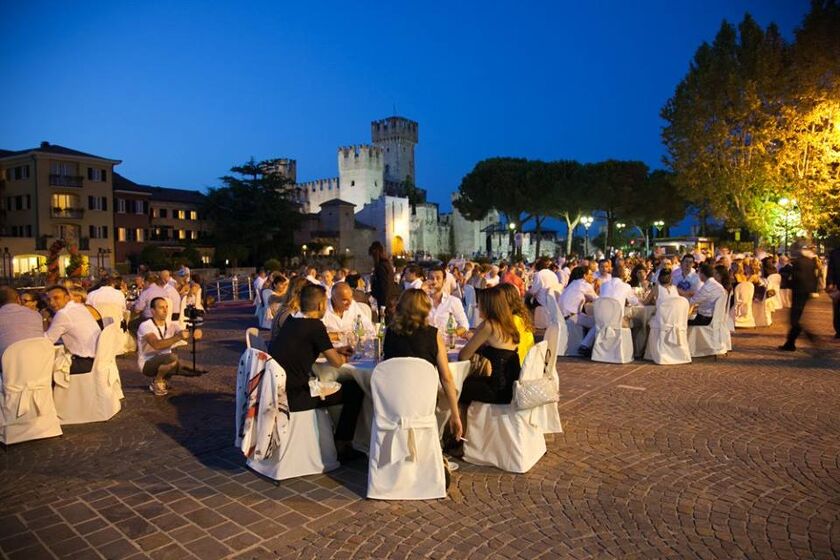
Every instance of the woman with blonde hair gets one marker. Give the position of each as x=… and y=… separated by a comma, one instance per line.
x=521, y=317
x=290, y=304
x=496, y=340
x=79, y=295
x=410, y=336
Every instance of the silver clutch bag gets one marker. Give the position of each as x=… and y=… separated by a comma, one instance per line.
x=535, y=392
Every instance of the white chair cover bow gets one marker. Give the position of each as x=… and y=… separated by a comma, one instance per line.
x=742, y=311
x=27, y=410
x=613, y=343
x=668, y=340
x=400, y=439
x=712, y=339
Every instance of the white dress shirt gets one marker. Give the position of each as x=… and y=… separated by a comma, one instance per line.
x=174, y=299
x=145, y=298
x=439, y=316
x=618, y=289
x=145, y=350
x=706, y=297
x=258, y=284
x=575, y=295
x=450, y=285
x=347, y=321
x=76, y=328
x=491, y=281
x=415, y=284
x=107, y=298
x=563, y=276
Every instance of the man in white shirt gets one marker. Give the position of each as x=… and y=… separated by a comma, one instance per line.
x=413, y=277
x=166, y=276
x=706, y=296
x=444, y=304
x=155, y=337
x=75, y=327
x=108, y=299
x=604, y=272
x=154, y=289
x=312, y=276
x=450, y=284
x=618, y=289
x=544, y=280
x=16, y=321
x=685, y=279
x=342, y=311
x=174, y=297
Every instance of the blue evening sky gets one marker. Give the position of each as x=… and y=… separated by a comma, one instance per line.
x=181, y=91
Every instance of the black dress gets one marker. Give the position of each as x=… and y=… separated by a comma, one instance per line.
x=498, y=387
x=421, y=344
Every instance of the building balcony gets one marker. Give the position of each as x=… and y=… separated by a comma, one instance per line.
x=72, y=213
x=66, y=181
x=44, y=242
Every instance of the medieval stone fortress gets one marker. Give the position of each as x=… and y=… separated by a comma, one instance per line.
x=376, y=197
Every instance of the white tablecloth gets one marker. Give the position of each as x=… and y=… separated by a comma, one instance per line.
x=360, y=371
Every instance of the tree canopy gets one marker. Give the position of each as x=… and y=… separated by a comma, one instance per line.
x=253, y=216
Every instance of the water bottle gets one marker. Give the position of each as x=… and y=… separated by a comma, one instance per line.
x=380, y=340
x=359, y=331
x=451, y=329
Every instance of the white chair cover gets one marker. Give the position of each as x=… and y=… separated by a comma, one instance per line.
x=668, y=339
x=470, y=306
x=575, y=337
x=763, y=310
x=26, y=400
x=742, y=311
x=774, y=282
x=254, y=340
x=548, y=314
x=93, y=396
x=111, y=310
x=277, y=446
x=548, y=415
x=405, y=459
x=499, y=435
x=785, y=297
x=713, y=339
x=613, y=343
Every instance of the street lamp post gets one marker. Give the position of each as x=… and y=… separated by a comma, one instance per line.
x=620, y=227
x=586, y=221
x=658, y=224
x=512, y=228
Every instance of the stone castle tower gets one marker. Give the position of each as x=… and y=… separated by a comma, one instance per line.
x=397, y=137
x=360, y=172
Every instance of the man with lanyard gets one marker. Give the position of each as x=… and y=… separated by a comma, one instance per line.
x=75, y=327
x=444, y=304
x=155, y=338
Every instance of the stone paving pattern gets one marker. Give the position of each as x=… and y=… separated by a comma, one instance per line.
x=730, y=458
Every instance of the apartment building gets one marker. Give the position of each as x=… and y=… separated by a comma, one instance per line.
x=49, y=193
x=169, y=218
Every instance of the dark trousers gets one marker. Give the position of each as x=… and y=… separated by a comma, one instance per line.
x=797, y=307
x=835, y=305
x=80, y=365
x=700, y=320
x=350, y=396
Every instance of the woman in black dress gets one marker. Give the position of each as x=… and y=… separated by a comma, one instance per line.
x=409, y=335
x=496, y=339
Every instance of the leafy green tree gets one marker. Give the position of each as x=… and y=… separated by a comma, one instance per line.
x=615, y=186
x=253, y=210
x=567, y=195
x=154, y=257
x=721, y=123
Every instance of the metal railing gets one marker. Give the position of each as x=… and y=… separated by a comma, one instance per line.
x=230, y=289
x=74, y=213
x=66, y=180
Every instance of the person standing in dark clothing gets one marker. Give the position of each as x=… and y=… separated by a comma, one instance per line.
x=382, y=281
x=832, y=287
x=803, y=284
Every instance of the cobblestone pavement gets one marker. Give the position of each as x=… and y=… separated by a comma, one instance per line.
x=731, y=458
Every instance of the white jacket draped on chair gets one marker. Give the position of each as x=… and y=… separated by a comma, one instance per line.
x=668, y=339
x=501, y=436
x=278, y=444
x=613, y=342
x=27, y=407
x=405, y=459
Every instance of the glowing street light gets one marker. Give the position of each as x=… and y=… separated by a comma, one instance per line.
x=587, y=222
x=512, y=226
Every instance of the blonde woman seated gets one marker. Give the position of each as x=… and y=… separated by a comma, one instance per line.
x=496, y=340
x=290, y=305
x=79, y=295
x=521, y=317
x=410, y=336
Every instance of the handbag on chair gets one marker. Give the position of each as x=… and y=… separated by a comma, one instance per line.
x=532, y=393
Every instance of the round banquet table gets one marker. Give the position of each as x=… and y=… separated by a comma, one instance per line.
x=361, y=370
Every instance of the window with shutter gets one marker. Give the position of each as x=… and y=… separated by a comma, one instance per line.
x=104, y=232
x=105, y=203
x=28, y=202
x=90, y=203
x=92, y=232
x=90, y=174
x=104, y=175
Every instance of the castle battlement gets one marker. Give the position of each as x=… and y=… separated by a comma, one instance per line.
x=318, y=185
x=394, y=128
x=361, y=151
